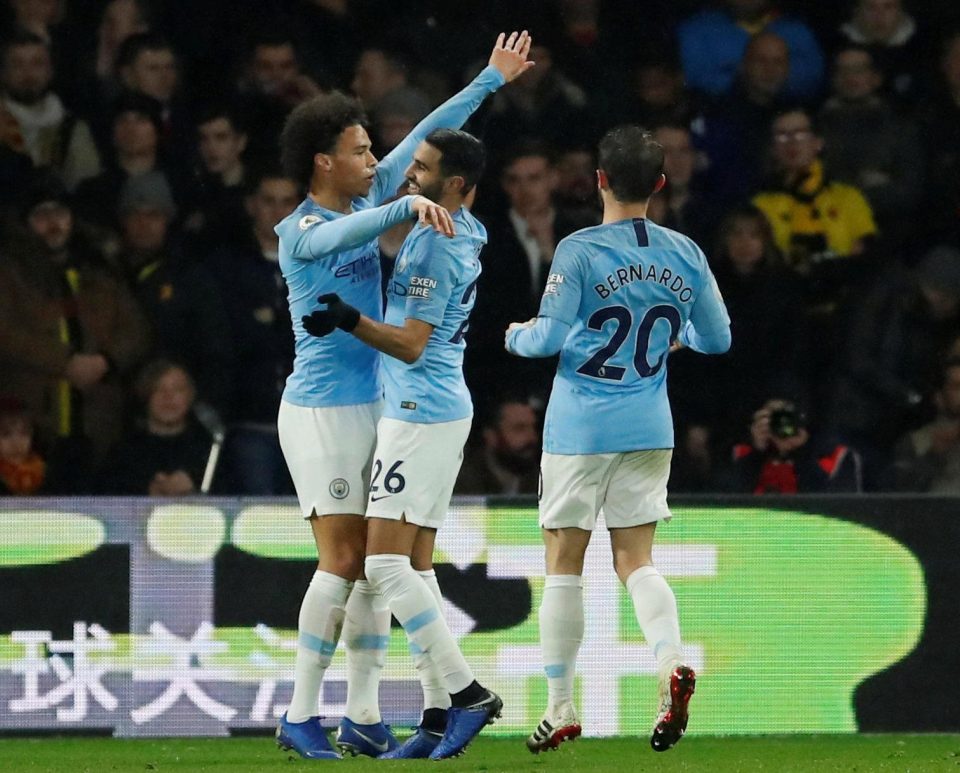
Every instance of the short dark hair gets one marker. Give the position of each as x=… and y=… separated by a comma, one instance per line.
x=136, y=44
x=221, y=110
x=461, y=154
x=529, y=147
x=803, y=110
x=632, y=161
x=314, y=127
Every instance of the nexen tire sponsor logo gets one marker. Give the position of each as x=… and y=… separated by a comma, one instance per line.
x=420, y=286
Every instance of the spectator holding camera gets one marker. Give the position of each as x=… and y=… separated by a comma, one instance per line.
x=783, y=458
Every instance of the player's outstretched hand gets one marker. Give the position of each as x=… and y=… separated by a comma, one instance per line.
x=338, y=314
x=510, y=54
x=433, y=215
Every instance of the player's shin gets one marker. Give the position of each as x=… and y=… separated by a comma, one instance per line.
x=366, y=633
x=561, y=632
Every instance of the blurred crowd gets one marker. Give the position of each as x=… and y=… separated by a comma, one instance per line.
x=811, y=149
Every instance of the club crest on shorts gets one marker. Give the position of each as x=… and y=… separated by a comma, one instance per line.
x=339, y=488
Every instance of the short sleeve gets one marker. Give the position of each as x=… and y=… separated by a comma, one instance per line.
x=432, y=274
x=562, y=293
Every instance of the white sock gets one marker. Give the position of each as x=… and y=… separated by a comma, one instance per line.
x=561, y=632
x=435, y=695
x=321, y=617
x=656, y=610
x=366, y=634
x=414, y=606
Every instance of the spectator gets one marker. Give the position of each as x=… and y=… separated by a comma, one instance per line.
x=576, y=190
x=516, y=263
x=147, y=64
x=713, y=42
x=782, y=456
x=178, y=296
x=868, y=145
x=69, y=330
x=270, y=86
x=941, y=133
x=895, y=42
x=541, y=103
x=220, y=186
x=736, y=127
x=820, y=226
x=508, y=461
x=167, y=456
x=397, y=113
x=768, y=331
x=136, y=128
x=378, y=71
x=255, y=296
x=897, y=341
x=687, y=209
x=928, y=459
x=22, y=470
x=49, y=134
x=658, y=95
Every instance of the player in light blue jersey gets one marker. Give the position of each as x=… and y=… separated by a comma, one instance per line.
x=619, y=296
x=333, y=398
x=426, y=420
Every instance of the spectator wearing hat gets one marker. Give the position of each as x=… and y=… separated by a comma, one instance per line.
x=41, y=127
x=892, y=359
x=178, y=295
x=69, y=328
x=135, y=136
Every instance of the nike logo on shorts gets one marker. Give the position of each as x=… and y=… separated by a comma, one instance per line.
x=377, y=499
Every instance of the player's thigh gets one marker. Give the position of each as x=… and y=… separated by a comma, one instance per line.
x=571, y=489
x=565, y=549
x=329, y=452
x=340, y=540
x=635, y=491
x=414, y=469
x=422, y=555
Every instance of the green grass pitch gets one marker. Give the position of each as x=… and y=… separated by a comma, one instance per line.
x=783, y=754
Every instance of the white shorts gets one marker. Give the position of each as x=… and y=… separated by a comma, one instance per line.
x=414, y=470
x=329, y=452
x=630, y=487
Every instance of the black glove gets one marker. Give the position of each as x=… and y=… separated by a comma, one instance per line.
x=338, y=314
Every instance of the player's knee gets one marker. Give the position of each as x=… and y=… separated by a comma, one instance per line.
x=626, y=564
x=383, y=571
x=344, y=560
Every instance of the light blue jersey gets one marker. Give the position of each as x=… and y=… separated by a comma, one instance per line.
x=619, y=294
x=322, y=251
x=434, y=280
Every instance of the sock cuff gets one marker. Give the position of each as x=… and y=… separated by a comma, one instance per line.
x=563, y=581
x=387, y=559
x=427, y=574
x=332, y=585
x=639, y=575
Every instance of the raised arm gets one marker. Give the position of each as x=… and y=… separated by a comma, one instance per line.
x=507, y=62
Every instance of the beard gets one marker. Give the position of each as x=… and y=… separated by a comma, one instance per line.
x=28, y=97
x=517, y=461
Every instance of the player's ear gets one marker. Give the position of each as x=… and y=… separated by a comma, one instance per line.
x=455, y=184
x=323, y=161
x=602, y=183
x=660, y=183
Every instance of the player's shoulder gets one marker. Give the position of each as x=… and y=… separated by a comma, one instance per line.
x=301, y=220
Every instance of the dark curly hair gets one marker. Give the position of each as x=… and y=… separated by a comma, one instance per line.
x=314, y=127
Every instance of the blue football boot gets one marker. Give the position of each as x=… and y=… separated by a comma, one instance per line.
x=368, y=740
x=464, y=724
x=308, y=739
x=417, y=747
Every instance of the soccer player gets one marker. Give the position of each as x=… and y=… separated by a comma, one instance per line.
x=332, y=400
x=619, y=295
x=426, y=420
